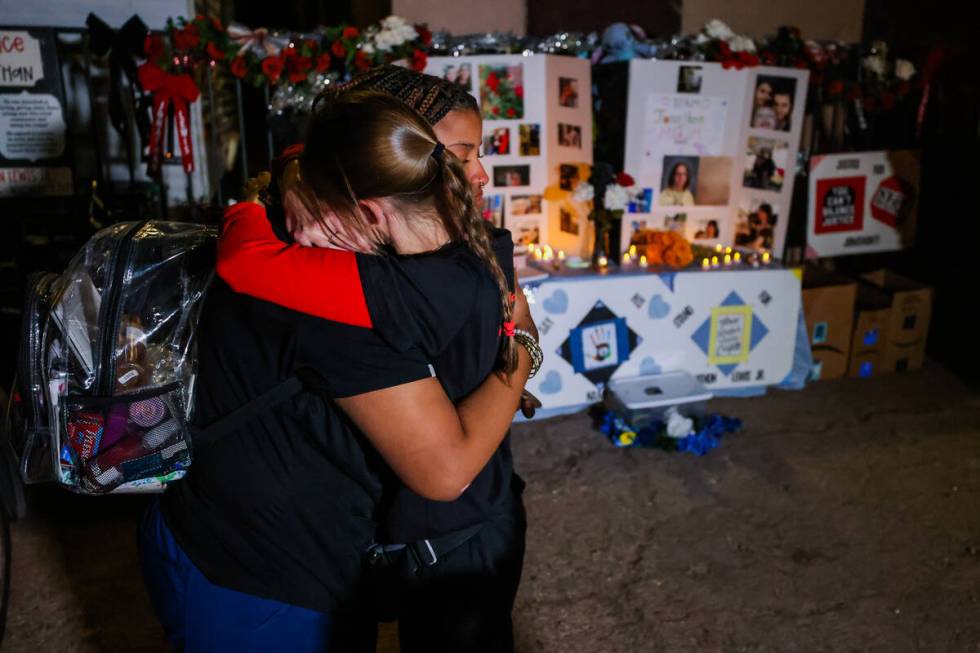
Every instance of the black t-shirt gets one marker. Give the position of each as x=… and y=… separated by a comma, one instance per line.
x=425, y=313
x=285, y=507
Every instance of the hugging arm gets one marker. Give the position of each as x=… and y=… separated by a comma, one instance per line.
x=316, y=281
x=437, y=448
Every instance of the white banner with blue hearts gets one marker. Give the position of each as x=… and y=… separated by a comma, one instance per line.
x=731, y=329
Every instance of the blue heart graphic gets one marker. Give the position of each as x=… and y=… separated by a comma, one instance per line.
x=551, y=384
x=659, y=309
x=649, y=366
x=557, y=303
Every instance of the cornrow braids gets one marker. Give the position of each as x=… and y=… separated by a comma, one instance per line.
x=432, y=97
x=456, y=201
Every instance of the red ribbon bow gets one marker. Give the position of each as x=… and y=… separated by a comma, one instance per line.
x=166, y=88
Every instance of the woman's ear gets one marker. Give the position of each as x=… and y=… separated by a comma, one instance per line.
x=374, y=212
x=376, y=215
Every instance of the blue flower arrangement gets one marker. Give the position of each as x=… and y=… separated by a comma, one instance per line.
x=704, y=436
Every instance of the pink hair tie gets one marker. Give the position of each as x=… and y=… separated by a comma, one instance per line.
x=508, y=329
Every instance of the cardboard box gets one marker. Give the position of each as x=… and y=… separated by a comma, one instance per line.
x=828, y=306
x=871, y=321
x=908, y=328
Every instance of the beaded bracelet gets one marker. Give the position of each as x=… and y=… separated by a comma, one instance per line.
x=526, y=340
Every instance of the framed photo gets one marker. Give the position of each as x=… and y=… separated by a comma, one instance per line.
x=530, y=139
x=502, y=92
x=569, y=135
x=765, y=163
x=525, y=204
x=772, y=102
x=689, y=79
x=567, y=92
x=505, y=176
x=497, y=142
x=461, y=75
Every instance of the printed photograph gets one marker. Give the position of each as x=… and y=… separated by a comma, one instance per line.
x=569, y=135
x=772, y=102
x=530, y=139
x=707, y=230
x=568, y=176
x=497, y=142
x=525, y=204
x=502, y=92
x=526, y=231
x=765, y=163
x=676, y=222
x=713, y=187
x=642, y=202
x=568, y=221
x=461, y=74
x=689, y=79
x=493, y=209
x=504, y=176
x=756, y=223
x=678, y=181
x=567, y=92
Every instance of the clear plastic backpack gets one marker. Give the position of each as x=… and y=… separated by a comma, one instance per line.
x=107, y=362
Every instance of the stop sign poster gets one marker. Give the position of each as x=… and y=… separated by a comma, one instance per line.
x=862, y=202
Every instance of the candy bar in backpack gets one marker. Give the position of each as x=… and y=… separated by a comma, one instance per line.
x=135, y=457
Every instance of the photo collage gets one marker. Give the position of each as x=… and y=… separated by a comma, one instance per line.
x=716, y=146
x=536, y=116
x=692, y=179
x=767, y=160
x=499, y=89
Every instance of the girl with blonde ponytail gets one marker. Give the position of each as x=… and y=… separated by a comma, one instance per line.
x=423, y=348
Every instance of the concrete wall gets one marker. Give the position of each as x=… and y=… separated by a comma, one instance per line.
x=826, y=19
x=465, y=16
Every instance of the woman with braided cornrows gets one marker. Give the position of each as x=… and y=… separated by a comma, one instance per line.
x=274, y=522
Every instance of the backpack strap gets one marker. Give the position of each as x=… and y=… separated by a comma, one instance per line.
x=245, y=413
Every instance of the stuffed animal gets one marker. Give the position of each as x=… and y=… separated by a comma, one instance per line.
x=622, y=42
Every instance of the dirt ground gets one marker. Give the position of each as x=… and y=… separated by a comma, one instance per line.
x=842, y=518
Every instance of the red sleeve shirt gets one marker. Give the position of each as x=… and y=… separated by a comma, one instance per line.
x=317, y=281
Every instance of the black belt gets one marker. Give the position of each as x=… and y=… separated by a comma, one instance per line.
x=424, y=553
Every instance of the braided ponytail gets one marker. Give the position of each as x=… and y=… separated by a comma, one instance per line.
x=457, y=204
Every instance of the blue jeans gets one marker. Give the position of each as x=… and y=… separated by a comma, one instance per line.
x=198, y=615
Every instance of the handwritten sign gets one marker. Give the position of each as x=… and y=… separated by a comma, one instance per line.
x=20, y=59
x=683, y=124
x=32, y=126
x=730, y=335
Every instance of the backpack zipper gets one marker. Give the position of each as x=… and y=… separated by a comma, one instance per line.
x=118, y=267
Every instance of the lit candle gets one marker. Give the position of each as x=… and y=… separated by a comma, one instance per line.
x=718, y=247
x=705, y=264
x=728, y=259
x=561, y=255
x=537, y=254
x=714, y=261
x=766, y=259
x=738, y=257
x=603, y=261
x=626, y=258
x=632, y=250
x=728, y=250
x=548, y=255
x=643, y=260
x=548, y=252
